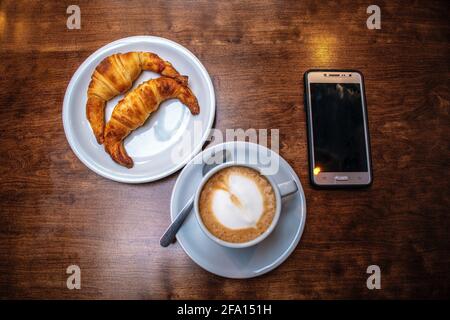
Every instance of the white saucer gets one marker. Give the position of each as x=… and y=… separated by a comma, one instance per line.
x=248, y=262
x=167, y=141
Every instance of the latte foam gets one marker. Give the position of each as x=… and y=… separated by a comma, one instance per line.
x=237, y=204
x=241, y=205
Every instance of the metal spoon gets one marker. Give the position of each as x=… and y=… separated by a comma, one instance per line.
x=169, y=235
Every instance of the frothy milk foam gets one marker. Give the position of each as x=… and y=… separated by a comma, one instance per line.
x=241, y=205
x=237, y=204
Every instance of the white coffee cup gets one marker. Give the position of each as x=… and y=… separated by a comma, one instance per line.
x=280, y=190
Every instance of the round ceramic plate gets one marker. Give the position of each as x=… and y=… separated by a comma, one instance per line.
x=167, y=141
x=248, y=262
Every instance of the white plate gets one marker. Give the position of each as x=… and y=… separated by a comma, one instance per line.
x=248, y=262
x=167, y=141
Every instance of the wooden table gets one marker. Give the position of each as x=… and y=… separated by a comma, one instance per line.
x=56, y=212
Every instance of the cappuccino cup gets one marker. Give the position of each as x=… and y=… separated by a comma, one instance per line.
x=237, y=206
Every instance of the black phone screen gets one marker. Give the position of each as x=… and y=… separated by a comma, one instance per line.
x=338, y=127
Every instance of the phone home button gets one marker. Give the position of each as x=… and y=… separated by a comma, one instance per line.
x=341, y=178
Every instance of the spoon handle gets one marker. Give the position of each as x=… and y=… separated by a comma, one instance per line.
x=172, y=230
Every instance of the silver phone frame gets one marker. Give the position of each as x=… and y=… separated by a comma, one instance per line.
x=330, y=178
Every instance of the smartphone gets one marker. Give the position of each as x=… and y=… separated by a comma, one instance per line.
x=338, y=133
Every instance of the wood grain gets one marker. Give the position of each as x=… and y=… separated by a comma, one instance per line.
x=55, y=212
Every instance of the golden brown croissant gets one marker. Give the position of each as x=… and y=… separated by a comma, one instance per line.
x=114, y=76
x=133, y=110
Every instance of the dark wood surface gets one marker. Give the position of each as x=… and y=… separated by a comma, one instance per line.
x=56, y=212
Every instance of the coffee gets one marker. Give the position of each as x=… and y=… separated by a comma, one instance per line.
x=237, y=204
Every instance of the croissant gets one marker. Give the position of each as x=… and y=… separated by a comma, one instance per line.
x=114, y=76
x=134, y=109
